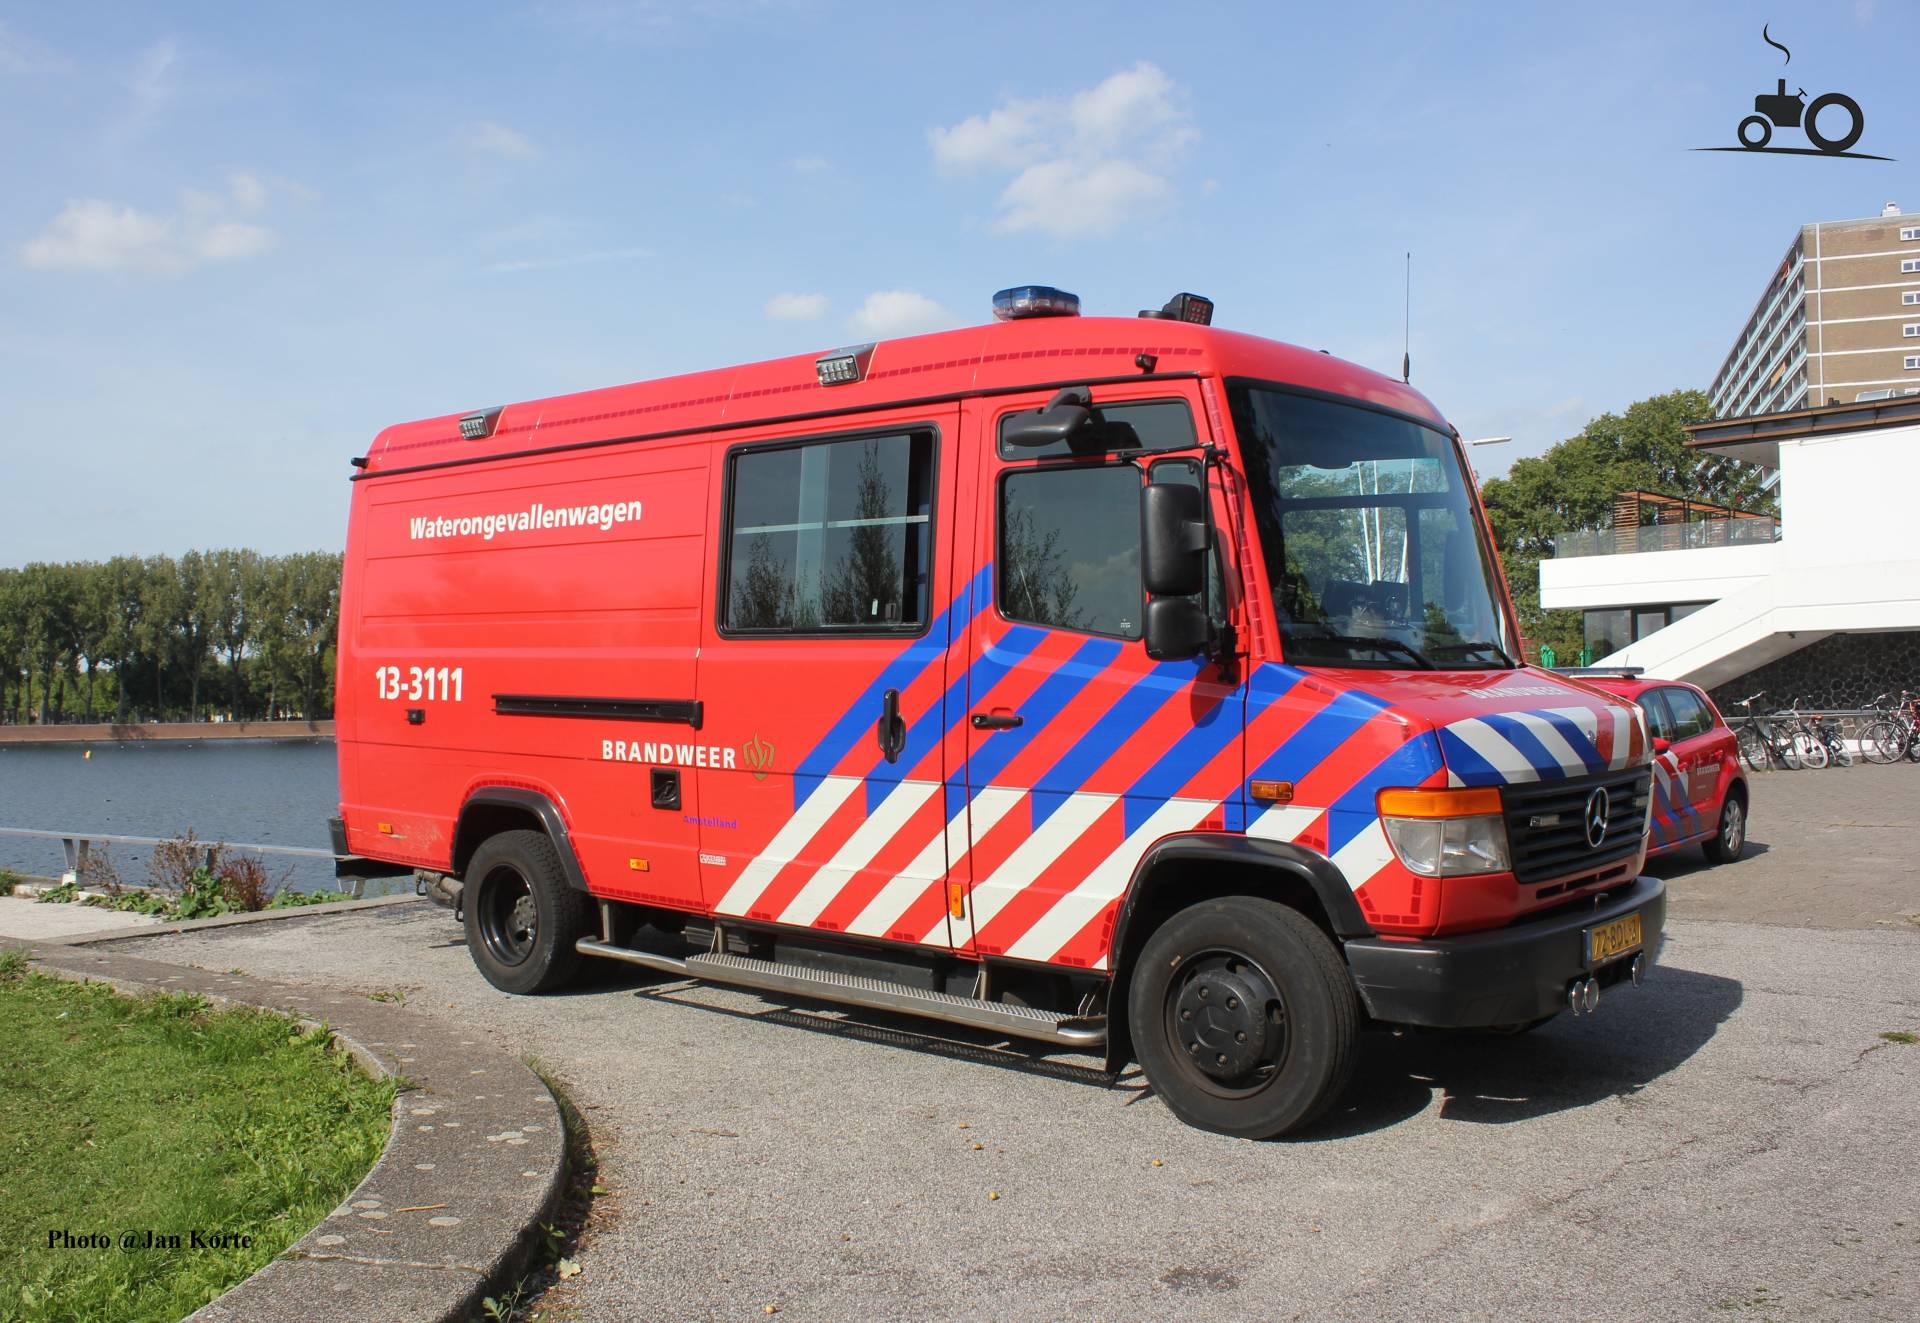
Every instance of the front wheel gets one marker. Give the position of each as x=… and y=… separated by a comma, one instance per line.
x=1754, y=132
x=1731, y=838
x=1809, y=750
x=522, y=918
x=1881, y=742
x=1244, y=1017
x=1753, y=750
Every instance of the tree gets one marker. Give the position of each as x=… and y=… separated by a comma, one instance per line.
x=1572, y=486
x=234, y=580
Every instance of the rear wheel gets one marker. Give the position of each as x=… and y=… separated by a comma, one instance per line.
x=522, y=918
x=1753, y=750
x=1809, y=750
x=1244, y=1017
x=1731, y=838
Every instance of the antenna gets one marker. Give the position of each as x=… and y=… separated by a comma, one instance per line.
x=1406, y=328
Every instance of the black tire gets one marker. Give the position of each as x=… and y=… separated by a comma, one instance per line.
x=522, y=918
x=1753, y=750
x=1278, y=1017
x=1856, y=126
x=1729, y=840
x=1766, y=132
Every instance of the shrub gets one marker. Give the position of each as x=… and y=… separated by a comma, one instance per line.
x=97, y=873
x=8, y=881
x=247, y=884
x=203, y=897
x=176, y=863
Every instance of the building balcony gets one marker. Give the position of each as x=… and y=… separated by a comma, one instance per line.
x=1666, y=537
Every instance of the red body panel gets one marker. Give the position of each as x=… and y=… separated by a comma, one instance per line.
x=1693, y=775
x=580, y=561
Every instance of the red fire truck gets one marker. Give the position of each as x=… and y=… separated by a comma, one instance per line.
x=1126, y=684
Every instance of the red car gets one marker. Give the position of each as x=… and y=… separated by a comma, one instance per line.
x=1700, y=792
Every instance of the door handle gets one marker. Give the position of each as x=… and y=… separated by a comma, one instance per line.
x=892, y=731
x=996, y=720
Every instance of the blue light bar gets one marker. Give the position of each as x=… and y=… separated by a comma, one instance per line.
x=1010, y=305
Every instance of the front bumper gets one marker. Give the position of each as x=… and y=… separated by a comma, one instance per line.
x=1506, y=976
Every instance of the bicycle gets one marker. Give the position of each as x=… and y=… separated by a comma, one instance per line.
x=1761, y=745
x=1807, y=744
x=1896, y=732
x=1829, y=732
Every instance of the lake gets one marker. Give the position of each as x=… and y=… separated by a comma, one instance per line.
x=263, y=792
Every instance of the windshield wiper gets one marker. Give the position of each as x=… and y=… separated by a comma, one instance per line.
x=1420, y=659
x=1465, y=647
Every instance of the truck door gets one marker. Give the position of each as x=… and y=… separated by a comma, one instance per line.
x=1081, y=750
x=825, y=678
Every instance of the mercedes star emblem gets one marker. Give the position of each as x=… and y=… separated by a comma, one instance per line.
x=1596, y=816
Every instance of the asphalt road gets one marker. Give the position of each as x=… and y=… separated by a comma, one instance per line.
x=1735, y=1139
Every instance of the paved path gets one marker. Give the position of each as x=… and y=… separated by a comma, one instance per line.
x=31, y=921
x=1732, y=1140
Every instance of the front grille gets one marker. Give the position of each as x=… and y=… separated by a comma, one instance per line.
x=1547, y=829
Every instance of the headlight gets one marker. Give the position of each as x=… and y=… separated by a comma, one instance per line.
x=1446, y=833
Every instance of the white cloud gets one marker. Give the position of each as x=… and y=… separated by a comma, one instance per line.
x=892, y=312
x=92, y=234
x=499, y=140
x=1080, y=166
x=796, y=307
x=151, y=87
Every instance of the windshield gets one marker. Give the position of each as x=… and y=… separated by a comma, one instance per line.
x=1369, y=536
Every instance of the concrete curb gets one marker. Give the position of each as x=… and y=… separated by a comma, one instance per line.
x=103, y=935
x=476, y=1160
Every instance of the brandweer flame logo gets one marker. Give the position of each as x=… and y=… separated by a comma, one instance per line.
x=757, y=754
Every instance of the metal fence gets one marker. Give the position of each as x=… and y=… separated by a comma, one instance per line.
x=1666, y=537
x=78, y=849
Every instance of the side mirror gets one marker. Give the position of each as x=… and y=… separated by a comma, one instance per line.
x=1065, y=414
x=1173, y=539
x=1176, y=629
x=1661, y=744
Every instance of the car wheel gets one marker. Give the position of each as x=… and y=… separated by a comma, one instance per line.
x=522, y=918
x=1731, y=838
x=1244, y=1017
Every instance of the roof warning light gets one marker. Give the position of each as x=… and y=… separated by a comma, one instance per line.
x=1011, y=305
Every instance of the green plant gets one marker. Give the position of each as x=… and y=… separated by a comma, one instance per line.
x=12, y=964
x=61, y=895
x=133, y=902
x=177, y=862
x=286, y=899
x=8, y=881
x=203, y=897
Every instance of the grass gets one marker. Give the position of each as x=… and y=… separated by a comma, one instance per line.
x=161, y=1115
x=1900, y=1036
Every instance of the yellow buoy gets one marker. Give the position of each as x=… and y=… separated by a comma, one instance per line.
x=87, y=754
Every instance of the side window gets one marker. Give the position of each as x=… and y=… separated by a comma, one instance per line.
x=1690, y=715
x=1133, y=425
x=1069, y=552
x=1659, y=716
x=830, y=536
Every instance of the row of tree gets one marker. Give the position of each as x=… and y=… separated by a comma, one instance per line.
x=1572, y=486
x=229, y=634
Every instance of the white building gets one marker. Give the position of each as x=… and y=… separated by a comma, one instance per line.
x=1830, y=610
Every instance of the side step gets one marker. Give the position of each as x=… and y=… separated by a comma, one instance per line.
x=871, y=993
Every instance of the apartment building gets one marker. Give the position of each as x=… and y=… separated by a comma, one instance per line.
x=1839, y=321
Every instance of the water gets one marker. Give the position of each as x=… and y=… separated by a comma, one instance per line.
x=268, y=793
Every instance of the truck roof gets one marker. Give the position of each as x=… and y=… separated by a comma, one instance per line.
x=997, y=357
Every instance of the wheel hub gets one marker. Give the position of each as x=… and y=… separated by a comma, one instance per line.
x=525, y=916
x=1220, y=1020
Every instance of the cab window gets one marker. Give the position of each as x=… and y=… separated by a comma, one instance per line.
x=1659, y=715
x=1069, y=554
x=1133, y=425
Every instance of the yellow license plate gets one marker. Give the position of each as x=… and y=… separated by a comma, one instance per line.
x=1613, y=939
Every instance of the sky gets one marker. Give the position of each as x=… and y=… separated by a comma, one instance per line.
x=236, y=241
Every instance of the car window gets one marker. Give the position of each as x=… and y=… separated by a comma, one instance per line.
x=1070, y=548
x=1659, y=716
x=1690, y=715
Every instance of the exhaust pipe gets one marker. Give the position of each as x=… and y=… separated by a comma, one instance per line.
x=1583, y=996
x=438, y=888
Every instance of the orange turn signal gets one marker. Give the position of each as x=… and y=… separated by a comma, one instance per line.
x=1439, y=803
x=639, y=865
x=1271, y=792
x=956, y=900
